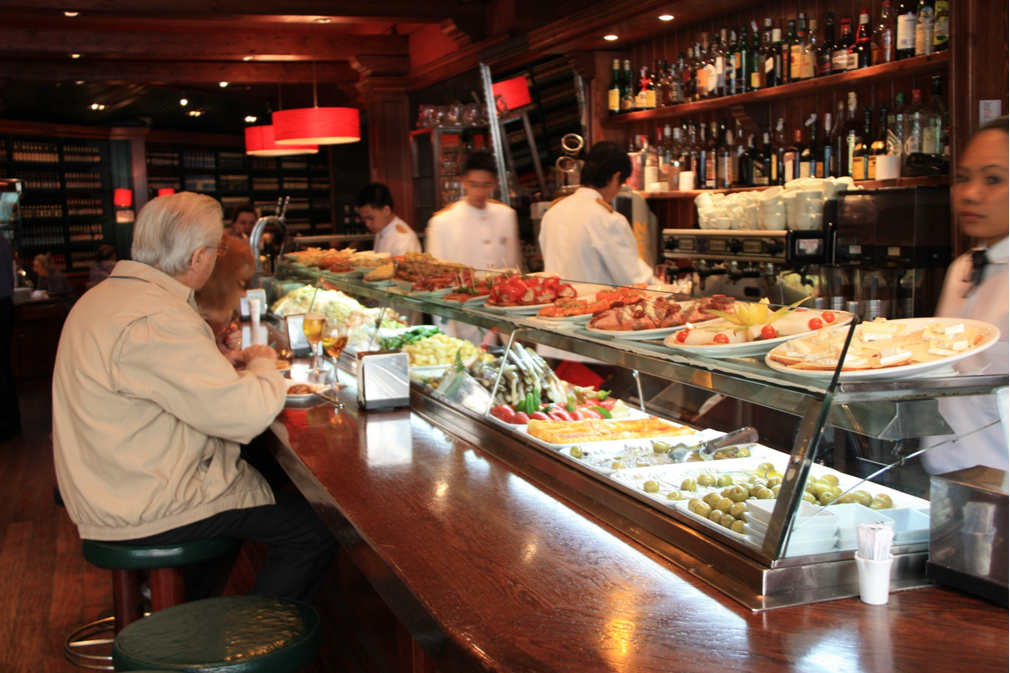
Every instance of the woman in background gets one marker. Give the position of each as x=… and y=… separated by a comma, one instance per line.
x=219, y=299
x=243, y=218
x=976, y=287
x=105, y=261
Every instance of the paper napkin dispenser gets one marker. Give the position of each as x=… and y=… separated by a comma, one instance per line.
x=383, y=380
x=968, y=532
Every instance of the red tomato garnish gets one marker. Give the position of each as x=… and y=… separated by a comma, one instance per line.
x=828, y=317
x=721, y=339
x=815, y=323
x=682, y=335
x=590, y=413
x=559, y=415
x=608, y=403
x=539, y=416
x=578, y=415
x=801, y=310
x=521, y=418
x=768, y=332
x=504, y=412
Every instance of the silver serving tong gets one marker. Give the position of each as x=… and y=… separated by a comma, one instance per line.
x=710, y=448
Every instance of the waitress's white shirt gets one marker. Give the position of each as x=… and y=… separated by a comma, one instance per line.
x=989, y=302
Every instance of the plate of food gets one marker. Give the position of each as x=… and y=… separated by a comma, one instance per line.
x=725, y=339
x=888, y=349
x=655, y=317
x=558, y=434
x=299, y=391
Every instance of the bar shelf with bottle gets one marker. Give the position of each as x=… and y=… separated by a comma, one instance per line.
x=911, y=181
x=916, y=65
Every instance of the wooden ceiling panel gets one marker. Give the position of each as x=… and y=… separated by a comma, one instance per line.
x=170, y=73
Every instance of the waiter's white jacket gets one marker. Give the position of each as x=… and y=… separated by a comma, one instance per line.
x=582, y=238
x=485, y=238
x=396, y=238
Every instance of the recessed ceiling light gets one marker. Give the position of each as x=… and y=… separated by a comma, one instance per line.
x=666, y=17
x=250, y=119
x=71, y=14
x=610, y=38
x=79, y=82
x=75, y=56
x=195, y=113
x=247, y=58
x=223, y=84
x=322, y=19
x=184, y=102
x=97, y=106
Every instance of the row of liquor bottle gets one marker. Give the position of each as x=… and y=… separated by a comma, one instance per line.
x=49, y=153
x=85, y=207
x=42, y=236
x=736, y=60
x=846, y=144
x=82, y=233
x=49, y=181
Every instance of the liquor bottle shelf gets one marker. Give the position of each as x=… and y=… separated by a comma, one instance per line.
x=937, y=180
x=877, y=73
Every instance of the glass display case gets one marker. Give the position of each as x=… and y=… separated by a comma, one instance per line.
x=770, y=520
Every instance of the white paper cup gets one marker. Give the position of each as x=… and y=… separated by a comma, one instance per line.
x=751, y=211
x=773, y=205
x=815, y=206
x=874, y=580
x=771, y=193
x=888, y=167
x=686, y=183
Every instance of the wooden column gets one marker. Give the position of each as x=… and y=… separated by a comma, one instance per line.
x=387, y=107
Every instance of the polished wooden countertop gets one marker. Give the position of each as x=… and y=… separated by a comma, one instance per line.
x=488, y=571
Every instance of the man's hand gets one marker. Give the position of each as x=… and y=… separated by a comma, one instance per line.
x=258, y=351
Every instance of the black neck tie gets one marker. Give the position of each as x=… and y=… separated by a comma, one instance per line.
x=978, y=262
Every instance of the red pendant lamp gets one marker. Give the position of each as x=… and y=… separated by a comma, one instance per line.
x=317, y=125
x=260, y=142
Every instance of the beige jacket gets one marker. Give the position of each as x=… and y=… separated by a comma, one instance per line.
x=147, y=414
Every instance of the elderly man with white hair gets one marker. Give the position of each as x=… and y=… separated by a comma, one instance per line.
x=148, y=416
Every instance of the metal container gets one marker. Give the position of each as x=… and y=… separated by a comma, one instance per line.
x=968, y=532
x=383, y=380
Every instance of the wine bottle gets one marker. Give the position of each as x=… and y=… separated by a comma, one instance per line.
x=745, y=164
x=614, y=92
x=712, y=158
x=924, y=28
x=861, y=147
x=811, y=153
x=941, y=25
x=883, y=37
x=628, y=94
x=824, y=163
x=861, y=51
x=905, y=33
x=827, y=47
x=791, y=157
x=808, y=63
x=724, y=164
x=934, y=120
x=787, y=52
x=798, y=39
x=840, y=55
x=772, y=57
x=754, y=58
x=880, y=142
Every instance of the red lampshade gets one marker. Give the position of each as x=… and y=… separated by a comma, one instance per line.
x=259, y=142
x=167, y=191
x=319, y=125
x=122, y=198
x=515, y=92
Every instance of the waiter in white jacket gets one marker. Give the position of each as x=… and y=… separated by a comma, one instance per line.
x=392, y=235
x=583, y=238
x=476, y=231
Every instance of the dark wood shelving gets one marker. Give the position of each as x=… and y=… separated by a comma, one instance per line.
x=878, y=73
x=937, y=180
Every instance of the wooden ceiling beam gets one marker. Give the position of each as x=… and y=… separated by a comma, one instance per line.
x=387, y=10
x=198, y=46
x=174, y=73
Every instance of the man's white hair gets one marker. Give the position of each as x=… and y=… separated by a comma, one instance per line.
x=171, y=228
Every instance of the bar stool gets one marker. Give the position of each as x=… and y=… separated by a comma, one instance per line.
x=233, y=634
x=166, y=575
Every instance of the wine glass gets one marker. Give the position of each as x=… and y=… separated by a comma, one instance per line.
x=312, y=325
x=335, y=340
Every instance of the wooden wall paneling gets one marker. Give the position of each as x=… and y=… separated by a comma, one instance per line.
x=389, y=125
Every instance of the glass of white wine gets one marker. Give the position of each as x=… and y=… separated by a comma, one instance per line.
x=334, y=343
x=313, y=325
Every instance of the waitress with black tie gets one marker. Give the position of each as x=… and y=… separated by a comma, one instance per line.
x=976, y=287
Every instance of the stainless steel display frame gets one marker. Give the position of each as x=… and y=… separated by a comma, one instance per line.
x=758, y=579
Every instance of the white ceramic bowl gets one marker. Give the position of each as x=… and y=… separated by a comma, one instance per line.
x=771, y=193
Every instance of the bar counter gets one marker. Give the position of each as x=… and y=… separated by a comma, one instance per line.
x=487, y=570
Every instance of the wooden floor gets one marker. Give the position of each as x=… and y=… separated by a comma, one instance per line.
x=47, y=589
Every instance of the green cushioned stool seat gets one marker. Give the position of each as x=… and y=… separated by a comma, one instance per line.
x=122, y=556
x=234, y=634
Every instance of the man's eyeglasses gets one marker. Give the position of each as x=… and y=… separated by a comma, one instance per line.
x=222, y=249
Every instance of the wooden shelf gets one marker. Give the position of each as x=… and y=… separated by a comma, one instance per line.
x=935, y=180
x=845, y=80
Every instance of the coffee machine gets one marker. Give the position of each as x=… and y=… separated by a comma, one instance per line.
x=892, y=249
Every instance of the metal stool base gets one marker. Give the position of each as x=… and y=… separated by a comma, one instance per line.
x=79, y=646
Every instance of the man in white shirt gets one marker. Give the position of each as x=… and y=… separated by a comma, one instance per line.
x=583, y=238
x=392, y=235
x=477, y=231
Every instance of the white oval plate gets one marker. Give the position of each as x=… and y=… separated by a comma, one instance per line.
x=637, y=335
x=316, y=388
x=991, y=334
x=580, y=319
x=749, y=348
